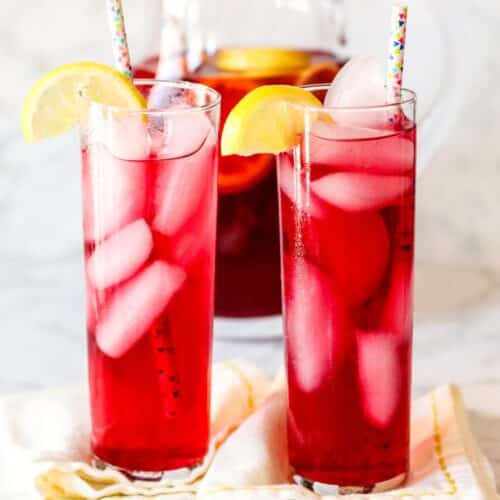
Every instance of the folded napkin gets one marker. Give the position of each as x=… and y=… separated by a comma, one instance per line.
x=247, y=457
x=46, y=434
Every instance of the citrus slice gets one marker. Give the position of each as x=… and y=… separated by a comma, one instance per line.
x=267, y=120
x=250, y=59
x=318, y=73
x=52, y=106
x=237, y=173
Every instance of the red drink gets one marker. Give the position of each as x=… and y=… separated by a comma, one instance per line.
x=248, y=271
x=347, y=213
x=149, y=200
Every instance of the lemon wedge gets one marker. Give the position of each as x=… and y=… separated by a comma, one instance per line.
x=53, y=103
x=260, y=59
x=269, y=119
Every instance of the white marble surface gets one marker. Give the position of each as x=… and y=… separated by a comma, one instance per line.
x=457, y=335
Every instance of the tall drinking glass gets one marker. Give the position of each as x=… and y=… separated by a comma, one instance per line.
x=149, y=220
x=347, y=195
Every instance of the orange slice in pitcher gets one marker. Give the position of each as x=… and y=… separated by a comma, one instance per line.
x=239, y=173
x=318, y=73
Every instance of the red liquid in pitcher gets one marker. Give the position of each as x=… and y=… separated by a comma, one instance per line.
x=348, y=222
x=247, y=279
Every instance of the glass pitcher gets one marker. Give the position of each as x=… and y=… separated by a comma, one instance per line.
x=234, y=46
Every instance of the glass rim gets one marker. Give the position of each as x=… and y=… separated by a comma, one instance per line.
x=408, y=97
x=142, y=82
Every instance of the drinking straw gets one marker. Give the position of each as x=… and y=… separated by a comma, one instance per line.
x=119, y=36
x=397, y=44
x=162, y=341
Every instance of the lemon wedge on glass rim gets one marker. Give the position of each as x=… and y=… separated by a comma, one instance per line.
x=53, y=103
x=269, y=119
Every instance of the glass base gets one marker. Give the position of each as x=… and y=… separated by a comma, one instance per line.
x=169, y=475
x=332, y=489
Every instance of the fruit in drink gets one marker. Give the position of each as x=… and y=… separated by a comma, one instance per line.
x=261, y=60
x=53, y=103
x=280, y=105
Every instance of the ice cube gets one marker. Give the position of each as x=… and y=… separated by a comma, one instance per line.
x=317, y=323
x=359, y=192
x=351, y=148
x=379, y=375
x=180, y=186
x=128, y=137
x=353, y=248
x=197, y=236
x=183, y=133
x=121, y=255
x=135, y=305
x=114, y=192
x=162, y=97
x=360, y=83
x=339, y=132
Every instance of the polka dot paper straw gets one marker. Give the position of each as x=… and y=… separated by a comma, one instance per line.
x=397, y=43
x=120, y=45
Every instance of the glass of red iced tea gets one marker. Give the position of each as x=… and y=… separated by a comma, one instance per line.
x=149, y=219
x=347, y=196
